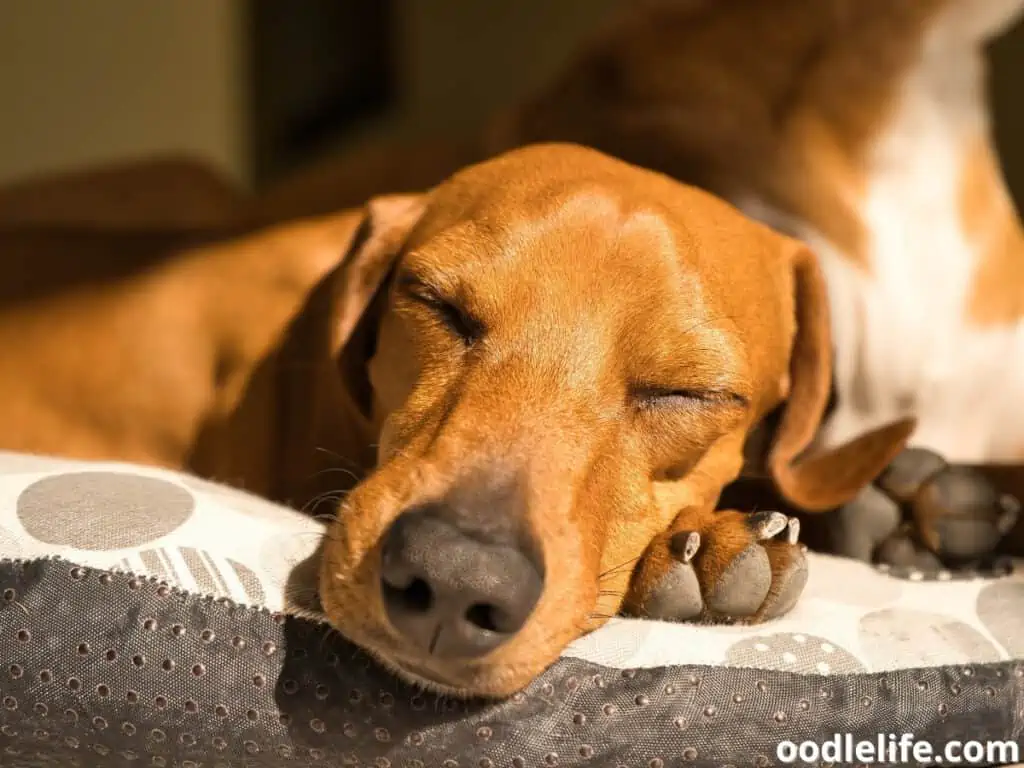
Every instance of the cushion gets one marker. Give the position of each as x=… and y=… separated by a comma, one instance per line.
x=145, y=620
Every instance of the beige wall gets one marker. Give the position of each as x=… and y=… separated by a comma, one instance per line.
x=84, y=81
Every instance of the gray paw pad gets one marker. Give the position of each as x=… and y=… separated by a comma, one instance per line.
x=677, y=596
x=905, y=474
x=745, y=583
x=857, y=529
x=962, y=515
x=790, y=586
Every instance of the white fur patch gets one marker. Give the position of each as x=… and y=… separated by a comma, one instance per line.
x=903, y=347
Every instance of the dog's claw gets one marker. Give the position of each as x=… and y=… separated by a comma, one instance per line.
x=768, y=524
x=793, y=532
x=684, y=545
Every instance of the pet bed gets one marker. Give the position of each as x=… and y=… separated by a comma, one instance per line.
x=142, y=622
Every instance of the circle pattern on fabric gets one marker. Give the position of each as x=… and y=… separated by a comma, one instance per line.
x=897, y=638
x=1000, y=609
x=103, y=511
x=793, y=652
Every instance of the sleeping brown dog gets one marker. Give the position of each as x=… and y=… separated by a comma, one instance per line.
x=569, y=356
x=554, y=360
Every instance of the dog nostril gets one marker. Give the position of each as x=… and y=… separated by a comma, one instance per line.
x=484, y=616
x=416, y=597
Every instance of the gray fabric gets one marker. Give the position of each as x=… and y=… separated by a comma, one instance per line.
x=104, y=669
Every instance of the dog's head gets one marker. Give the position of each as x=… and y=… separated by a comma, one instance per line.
x=567, y=351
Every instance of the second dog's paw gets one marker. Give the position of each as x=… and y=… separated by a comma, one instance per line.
x=722, y=567
x=960, y=516
x=924, y=513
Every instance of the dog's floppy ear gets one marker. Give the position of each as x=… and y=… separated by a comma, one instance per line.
x=821, y=480
x=386, y=223
x=331, y=401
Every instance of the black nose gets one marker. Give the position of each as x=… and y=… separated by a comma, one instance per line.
x=453, y=594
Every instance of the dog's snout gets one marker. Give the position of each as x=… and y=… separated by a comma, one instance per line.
x=451, y=592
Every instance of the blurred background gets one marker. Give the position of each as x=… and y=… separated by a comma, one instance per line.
x=261, y=87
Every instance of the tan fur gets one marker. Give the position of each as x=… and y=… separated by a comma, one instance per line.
x=125, y=332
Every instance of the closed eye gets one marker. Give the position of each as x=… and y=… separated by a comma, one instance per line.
x=649, y=397
x=460, y=322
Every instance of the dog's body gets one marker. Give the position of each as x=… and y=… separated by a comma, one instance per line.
x=140, y=322
x=554, y=359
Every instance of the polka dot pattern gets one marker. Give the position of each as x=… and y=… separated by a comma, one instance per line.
x=167, y=690
x=793, y=652
x=102, y=510
x=995, y=570
x=905, y=638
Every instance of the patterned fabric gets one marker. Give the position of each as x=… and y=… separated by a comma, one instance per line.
x=106, y=617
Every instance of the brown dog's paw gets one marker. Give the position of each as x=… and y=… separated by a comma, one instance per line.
x=722, y=567
x=924, y=513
